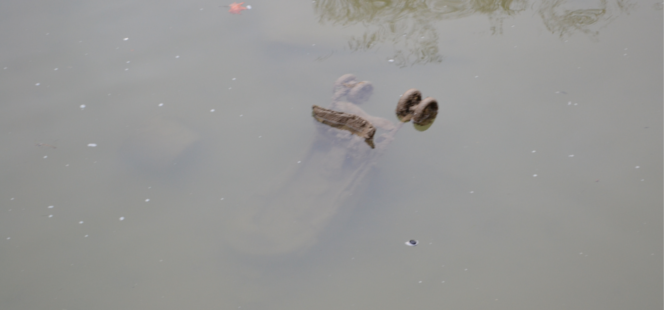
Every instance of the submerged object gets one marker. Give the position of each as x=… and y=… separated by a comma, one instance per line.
x=290, y=213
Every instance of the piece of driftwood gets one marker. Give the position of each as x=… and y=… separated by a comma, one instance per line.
x=345, y=121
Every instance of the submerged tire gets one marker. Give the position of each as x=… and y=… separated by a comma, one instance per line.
x=425, y=112
x=409, y=99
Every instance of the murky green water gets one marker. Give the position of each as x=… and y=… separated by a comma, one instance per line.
x=146, y=148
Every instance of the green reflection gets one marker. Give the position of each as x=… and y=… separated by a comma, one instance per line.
x=566, y=18
x=409, y=25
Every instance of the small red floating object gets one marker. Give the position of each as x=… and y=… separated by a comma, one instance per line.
x=236, y=8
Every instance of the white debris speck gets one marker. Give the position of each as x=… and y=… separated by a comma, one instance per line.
x=222, y=198
x=45, y=156
x=92, y=144
x=56, y=69
x=571, y=155
x=420, y=281
x=160, y=105
x=86, y=236
x=233, y=79
x=212, y=110
x=125, y=39
x=9, y=238
x=298, y=161
x=50, y=215
x=37, y=84
x=50, y=207
x=128, y=61
x=80, y=222
x=240, y=115
x=391, y=60
x=533, y=151
x=12, y=198
x=637, y=167
x=82, y=106
x=471, y=192
x=147, y=200
x=177, y=56
x=535, y=175
x=249, y=7
x=122, y=218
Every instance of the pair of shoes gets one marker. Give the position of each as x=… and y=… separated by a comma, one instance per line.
x=355, y=91
x=411, y=107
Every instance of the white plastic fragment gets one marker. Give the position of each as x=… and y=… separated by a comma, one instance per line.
x=82, y=106
x=37, y=84
x=535, y=175
x=391, y=60
x=147, y=200
x=160, y=105
x=92, y=144
x=50, y=207
x=80, y=222
x=249, y=7
x=125, y=39
x=122, y=218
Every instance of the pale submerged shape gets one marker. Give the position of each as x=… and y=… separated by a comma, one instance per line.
x=92, y=144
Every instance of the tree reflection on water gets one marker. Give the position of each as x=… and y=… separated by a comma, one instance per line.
x=408, y=25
